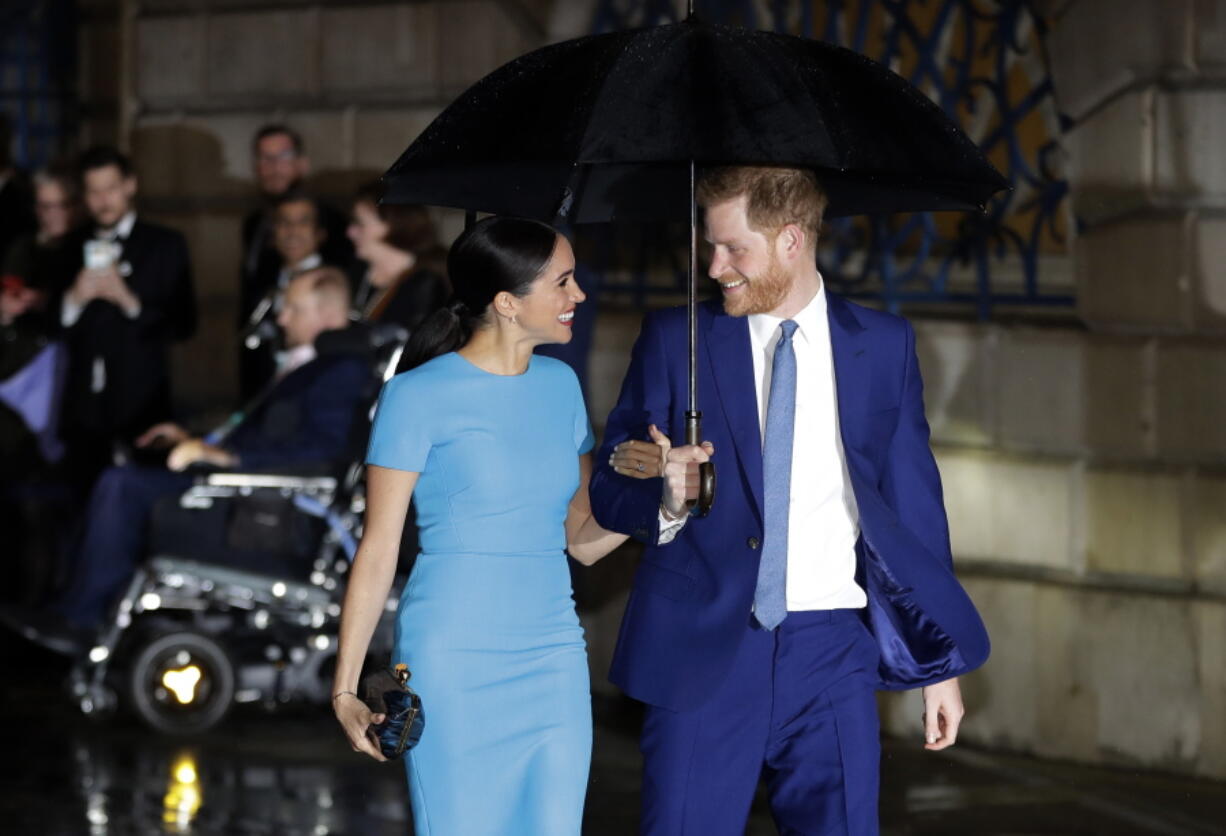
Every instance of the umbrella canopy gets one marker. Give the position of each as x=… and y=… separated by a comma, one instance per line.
x=603, y=128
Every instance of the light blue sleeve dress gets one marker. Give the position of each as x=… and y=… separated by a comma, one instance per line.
x=487, y=620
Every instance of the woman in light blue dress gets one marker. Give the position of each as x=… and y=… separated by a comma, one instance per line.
x=490, y=440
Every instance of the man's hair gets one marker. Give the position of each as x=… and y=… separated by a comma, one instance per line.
x=296, y=196
x=278, y=129
x=774, y=196
x=102, y=156
x=329, y=286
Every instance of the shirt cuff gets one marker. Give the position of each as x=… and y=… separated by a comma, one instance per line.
x=70, y=312
x=669, y=529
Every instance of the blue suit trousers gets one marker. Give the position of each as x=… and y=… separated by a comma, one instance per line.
x=798, y=709
x=112, y=545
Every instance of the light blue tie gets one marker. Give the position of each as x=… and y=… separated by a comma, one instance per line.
x=770, y=603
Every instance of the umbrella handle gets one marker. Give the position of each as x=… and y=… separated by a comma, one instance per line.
x=700, y=505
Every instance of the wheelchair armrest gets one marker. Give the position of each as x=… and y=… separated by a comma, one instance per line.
x=276, y=481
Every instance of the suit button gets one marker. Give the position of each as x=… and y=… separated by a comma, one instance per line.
x=753, y=542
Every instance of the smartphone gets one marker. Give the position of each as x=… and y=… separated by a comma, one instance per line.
x=100, y=255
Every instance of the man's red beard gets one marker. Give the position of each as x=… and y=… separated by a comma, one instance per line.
x=762, y=293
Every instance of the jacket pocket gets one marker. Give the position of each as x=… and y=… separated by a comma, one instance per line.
x=654, y=578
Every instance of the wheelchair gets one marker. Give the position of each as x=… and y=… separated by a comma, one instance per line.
x=240, y=597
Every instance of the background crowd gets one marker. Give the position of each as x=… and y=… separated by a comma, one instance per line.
x=94, y=296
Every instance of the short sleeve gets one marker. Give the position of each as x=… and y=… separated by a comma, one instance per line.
x=401, y=435
x=584, y=438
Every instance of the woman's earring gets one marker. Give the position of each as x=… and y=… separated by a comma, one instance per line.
x=514, y=321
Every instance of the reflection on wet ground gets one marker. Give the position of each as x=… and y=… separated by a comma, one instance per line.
x=291, y=773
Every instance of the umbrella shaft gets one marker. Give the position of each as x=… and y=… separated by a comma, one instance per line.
x=692, y=299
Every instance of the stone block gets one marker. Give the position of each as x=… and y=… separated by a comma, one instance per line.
x=1067, y=705
x=328, y=137
x=263, y=54
x=1137, y=273
x=1211, y=647
x=1111, y=155
x=1188, y=126
x=1209, y=294
x=957, y=362
x=1009, y=509
x=1138, y=655
x=476, y=36
x=1117, y=395
x=1205, y=515
x=1191, y=401
x=1001, y=699
x=380, y=136
x=398, y=48
x=1132, y=522
x=1100, y=47
x=1209, y=37
x=1038, y=385
x=182, y=160
x=170, y=58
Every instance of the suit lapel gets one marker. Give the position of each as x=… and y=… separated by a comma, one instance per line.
x=730, y=356
x=849, y=348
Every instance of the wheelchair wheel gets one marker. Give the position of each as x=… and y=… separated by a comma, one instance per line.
x=181, y=683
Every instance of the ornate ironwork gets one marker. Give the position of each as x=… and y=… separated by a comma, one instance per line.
x=984, y=63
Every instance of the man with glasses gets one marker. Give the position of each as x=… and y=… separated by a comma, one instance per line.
x=280, y=165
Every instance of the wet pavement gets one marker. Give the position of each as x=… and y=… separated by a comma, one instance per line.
x=291, y=773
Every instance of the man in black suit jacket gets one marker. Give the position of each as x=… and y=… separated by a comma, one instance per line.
x=280, y=165
x=303, y=418
x=131, y=299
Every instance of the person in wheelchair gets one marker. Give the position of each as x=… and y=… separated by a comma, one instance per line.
x=301, y=420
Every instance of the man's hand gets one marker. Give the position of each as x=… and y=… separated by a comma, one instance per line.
x=680, y=470
x=942, y=714
x=164, y=434
x=110, y=286
x=85, y=288
x=187, y=453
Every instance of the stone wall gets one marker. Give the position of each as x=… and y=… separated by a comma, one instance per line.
x=359, y=80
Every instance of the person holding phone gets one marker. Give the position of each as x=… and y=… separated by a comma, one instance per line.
x=131, y=298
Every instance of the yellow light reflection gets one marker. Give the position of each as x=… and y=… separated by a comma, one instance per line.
x=183, y=795
x=182, y=683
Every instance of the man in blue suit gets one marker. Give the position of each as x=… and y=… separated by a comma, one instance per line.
x=303, y=418
x=758, y=635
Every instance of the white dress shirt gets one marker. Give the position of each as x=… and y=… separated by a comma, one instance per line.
x=823, y=520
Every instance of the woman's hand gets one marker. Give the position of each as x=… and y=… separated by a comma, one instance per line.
x=637, y=459
x=356, y=719
x=680, y=470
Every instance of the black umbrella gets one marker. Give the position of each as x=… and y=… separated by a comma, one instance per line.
x=609, y=127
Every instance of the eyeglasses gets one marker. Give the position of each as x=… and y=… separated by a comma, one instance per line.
x=279, y=157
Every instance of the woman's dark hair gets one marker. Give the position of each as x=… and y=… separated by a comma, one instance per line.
x=493, y=255
x=409, y=226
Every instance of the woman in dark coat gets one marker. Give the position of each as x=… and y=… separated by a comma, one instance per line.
x=405, y=278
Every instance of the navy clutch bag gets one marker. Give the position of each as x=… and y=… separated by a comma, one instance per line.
x=388, y=693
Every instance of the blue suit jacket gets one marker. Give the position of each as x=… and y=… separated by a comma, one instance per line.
x=691, y=599
x=307, y=416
